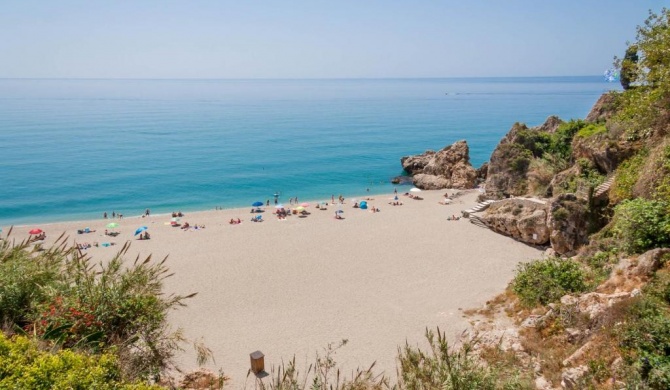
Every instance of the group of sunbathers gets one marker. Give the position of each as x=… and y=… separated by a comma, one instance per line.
x=177, y=214
x=412, y=196
x=453, y=218
x=84, y=230
x=145, y=236
x=112, y=234
x=187, y=226
x=39, y=237
x=395, y=203
x=235, y=222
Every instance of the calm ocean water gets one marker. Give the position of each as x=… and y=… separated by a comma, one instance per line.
x=71, y=149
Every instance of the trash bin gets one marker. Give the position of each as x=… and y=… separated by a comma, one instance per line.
x=257, y=362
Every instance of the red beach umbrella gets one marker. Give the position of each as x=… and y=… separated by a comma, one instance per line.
x=35, y=231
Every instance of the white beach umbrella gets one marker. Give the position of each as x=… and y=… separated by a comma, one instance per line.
x=415, y=190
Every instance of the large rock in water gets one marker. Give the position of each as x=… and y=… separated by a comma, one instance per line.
x=448, y=168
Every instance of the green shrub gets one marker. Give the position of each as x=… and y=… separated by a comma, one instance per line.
x=626, y=176
x=644, y=336
x=641, y=224
x=24, y=366
x=451, y=369
x=545, y=281
x=59, y=296
x=591, y=129
x=20, y=275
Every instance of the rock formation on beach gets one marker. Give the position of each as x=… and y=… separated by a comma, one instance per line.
x=447, y=168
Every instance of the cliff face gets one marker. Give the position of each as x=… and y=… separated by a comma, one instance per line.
x=447, y=168
x=510, y=161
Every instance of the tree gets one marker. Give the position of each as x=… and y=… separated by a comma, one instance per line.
x=629, y=69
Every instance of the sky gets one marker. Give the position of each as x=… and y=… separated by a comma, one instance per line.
x=314, y=38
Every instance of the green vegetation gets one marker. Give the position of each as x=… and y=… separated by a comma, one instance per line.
x=641, y=224
x=644, y=108
x=24, y=366
x=644, y=335
x=63, y=300
x=626, y=176
x=591, y=129
x=545, y=281
x=454, y=369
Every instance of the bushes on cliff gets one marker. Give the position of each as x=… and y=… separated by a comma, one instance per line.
x=24, y=366
x=452, y=369
x=60, y=297
x=644, y=107
x=644, y=335
x=540, y=282
x=641, y=224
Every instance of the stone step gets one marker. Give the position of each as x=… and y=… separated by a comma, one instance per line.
x=604, y=187
x=478, y=221
x=478, y=207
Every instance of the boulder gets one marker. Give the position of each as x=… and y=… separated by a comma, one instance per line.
x=571, y=378
x=522, y=219
x=447, y=168
x=568, y=224
x=650, y=261
x=430, y=182
x=605, y=153
x=594, y=304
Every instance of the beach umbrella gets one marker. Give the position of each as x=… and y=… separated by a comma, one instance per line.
x=257, y=204
x=35, y=231
x=415, y=190
x=363, y=205
x=279, y=206
x=112, y=225
x=300, y=208
x=140, y=229
x=175, y=219
x=304, y=204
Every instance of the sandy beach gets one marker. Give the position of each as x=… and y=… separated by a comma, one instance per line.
x=290, y=287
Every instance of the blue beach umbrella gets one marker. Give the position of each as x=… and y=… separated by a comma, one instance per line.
x=364, y=205
x=140, y=229
x=257, y=204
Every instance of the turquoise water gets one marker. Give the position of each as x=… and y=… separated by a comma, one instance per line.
x=71, y=149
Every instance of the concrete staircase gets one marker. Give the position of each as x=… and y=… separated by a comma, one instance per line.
x=478, y=208
x=603, y=188
x=477, y=221
x=583, y=193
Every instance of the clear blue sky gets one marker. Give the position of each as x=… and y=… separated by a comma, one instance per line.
x=314, y=38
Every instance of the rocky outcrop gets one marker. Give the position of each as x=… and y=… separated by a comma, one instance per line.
x=568, y=224
x=561, y=222
x=447, y=168
x=482, y=172
x=603, y=109
x=522, y=219
x=606, y=154
x=508, y=166
x=650, y=261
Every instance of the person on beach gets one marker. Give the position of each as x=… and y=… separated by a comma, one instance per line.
x=267, y=203
x=104, y=215
x=113, y=214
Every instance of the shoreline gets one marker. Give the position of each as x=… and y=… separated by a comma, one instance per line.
x=290, y=287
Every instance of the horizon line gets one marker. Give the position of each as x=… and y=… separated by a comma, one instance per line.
x=290, y=78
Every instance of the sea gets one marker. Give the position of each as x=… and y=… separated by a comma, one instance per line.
x=71, y=149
